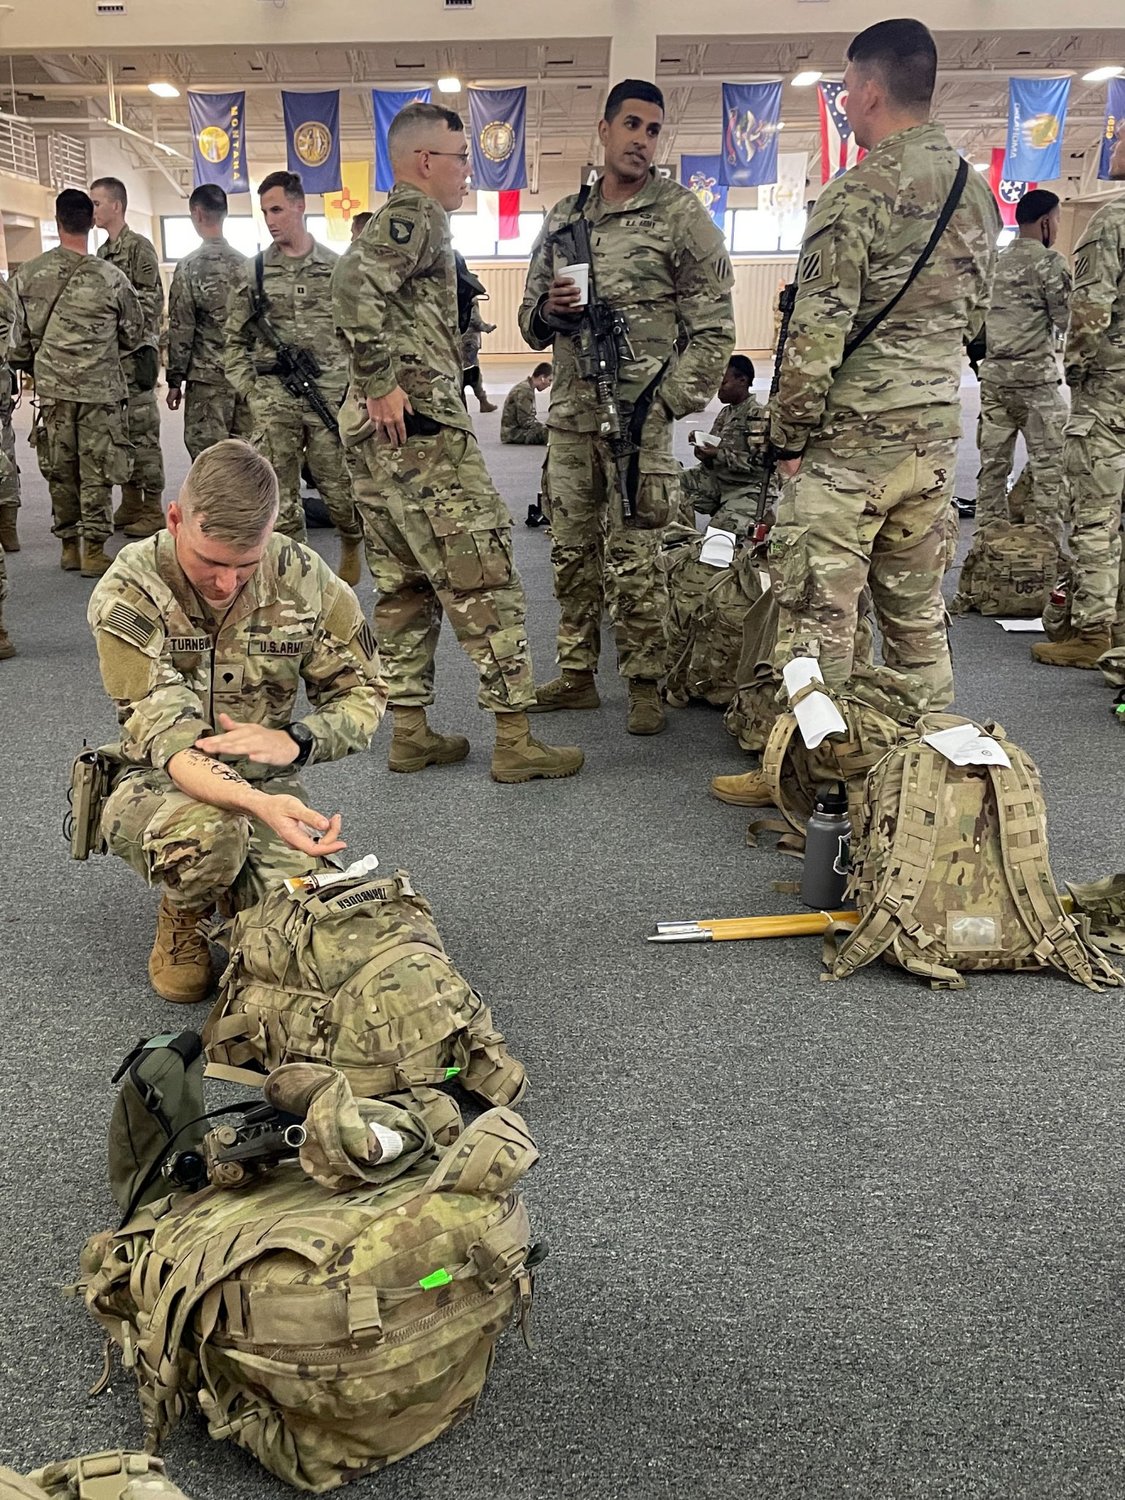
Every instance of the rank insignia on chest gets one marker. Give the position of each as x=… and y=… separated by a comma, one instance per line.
x=185, y=645
x=299, y=290
x=401, y=230
x=277, y=648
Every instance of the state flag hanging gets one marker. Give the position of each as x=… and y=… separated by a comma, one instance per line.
x=312, y=138
x=509, y=214
x=703, y=176
x=839, y=149
x=353, y=198
x=218, y=141
x=1036, y=121
x=385, y=104
x=1006, y=191
x=498, y=123
x=1114, y=120
x=751, y=121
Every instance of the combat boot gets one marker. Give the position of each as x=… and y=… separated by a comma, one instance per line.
x=179, y=966
x=747, y=790
x=646, y=711
x=350, y=553
x=487, y=405
x=414, y=745
x=148, y=520
x=6, y=647
x=571, y=690
x=1081, y=649
x=9, y=536
x=94, y=560
x=132, y=503
x=71, y=555
x=518, y=757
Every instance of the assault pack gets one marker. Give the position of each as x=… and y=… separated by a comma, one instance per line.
x=113, y=1475
x=708, y=611
x=1010, y=570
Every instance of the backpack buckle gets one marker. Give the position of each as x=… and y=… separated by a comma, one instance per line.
x=103, y=1476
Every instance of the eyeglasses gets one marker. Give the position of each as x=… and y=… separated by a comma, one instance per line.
x=462, y=156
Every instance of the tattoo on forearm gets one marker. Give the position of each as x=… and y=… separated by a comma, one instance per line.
x=215, y=767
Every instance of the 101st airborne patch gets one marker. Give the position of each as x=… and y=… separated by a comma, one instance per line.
x=401, y=230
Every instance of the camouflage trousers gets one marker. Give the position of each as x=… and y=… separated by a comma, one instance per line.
x=83, y=451
x=212, y=413
x=1039, y=412
x=879, y=518
x=601, y=563
x=290, y=434
x=1095, y=469
x=439, y=540
x=10, y=484
x=699, y=491
x=3, y=586
x=144, y=435
x=196, y=852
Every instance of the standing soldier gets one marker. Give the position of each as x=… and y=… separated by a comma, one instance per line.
x=77, y=320
x=142, y=499
x=661, y=263
x=1094, y=361
x=439, y=537
x=10, y=499
x=197, y=310
x=9, y=486
x=286, y=289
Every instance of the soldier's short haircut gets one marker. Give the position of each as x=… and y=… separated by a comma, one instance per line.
x=210, y=199
x=1036, y=205
x=413, y=121
x=232, y=492
x=903, y=53
x=74, y=210
x=114, y=187
x=543, y=369
x=630, y=88
x=742, y=365
x=289, y=182
x=360, y=220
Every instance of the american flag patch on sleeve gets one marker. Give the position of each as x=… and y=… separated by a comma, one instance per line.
x=123, y=620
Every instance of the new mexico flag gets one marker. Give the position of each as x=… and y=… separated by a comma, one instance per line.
x=353, y=198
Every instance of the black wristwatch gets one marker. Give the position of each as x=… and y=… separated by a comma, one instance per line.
x=305, y=741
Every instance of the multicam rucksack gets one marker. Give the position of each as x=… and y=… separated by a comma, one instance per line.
x=1010, y=570
x=114, y=1475
x=354, y=975
x=328, y=1333
x=754, y=706
x=709, y=607
x=1098, y=907
x=951, y=871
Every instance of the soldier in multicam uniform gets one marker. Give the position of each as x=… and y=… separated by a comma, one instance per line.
x=9, y=484
x=141, y=512
x=1020, y=378
x=438, y=535
x=10, y=499
x=114, y=1475
x=518, y=421
x=660, y=261
x=868, y=444
x=76, y=317
x=726, y=484
x=1094, y=361
x=295, y=277
x=205, y=635
x=197, y=313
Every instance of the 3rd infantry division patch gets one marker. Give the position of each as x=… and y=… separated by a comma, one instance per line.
x=810, y=266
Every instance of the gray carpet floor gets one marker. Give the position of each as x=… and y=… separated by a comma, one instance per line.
x=806, y=1239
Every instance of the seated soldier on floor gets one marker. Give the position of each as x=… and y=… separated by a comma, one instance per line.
x=205, y=634
x=518, y=422
x=726, y=483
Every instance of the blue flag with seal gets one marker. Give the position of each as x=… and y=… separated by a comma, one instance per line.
x=312, y=139
x=218, y=140
x=1114, y=120
x=385, y=104
x=751, y=120
x=1036, y=121
x=703, y=176
x=498, y=119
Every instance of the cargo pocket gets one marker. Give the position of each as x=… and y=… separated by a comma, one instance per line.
x=118, y=453
x=475, y=553
x=789, y=565
x=657, y=497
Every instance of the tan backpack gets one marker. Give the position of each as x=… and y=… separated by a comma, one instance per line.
x=951, y=871
x=355, y=976
x=707, y=629
x=328, y=1333
x=1010, y=570
x=113, y=1475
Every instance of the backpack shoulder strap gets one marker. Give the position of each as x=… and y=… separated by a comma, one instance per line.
x=773, y=762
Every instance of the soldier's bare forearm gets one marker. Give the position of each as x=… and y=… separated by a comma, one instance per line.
x=205, y=779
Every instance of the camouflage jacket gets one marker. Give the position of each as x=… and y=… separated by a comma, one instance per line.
x=743, y=432
x=76, y=333
x=171, y=669
x=661, y=262
x=298, y=305
x=518, y=422
x=864, y=234
x=197, y=311
x=395, y=295
x=135, y=256
x=1030, y=293
x=1095, y=339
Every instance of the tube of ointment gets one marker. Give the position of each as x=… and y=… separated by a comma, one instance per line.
x=355, y=871
x=816, y=714
x=389, y=1141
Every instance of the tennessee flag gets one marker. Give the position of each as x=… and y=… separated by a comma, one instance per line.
x=1006, y=192
x=353, y=198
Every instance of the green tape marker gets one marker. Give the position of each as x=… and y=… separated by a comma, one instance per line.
x=437, y=1278
x=451, y=1073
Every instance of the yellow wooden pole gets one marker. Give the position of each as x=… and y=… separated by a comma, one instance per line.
x=737, y=929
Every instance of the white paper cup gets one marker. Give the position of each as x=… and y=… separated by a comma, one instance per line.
x=579, y=273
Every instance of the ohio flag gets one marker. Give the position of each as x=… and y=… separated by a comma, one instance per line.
x=838, y=149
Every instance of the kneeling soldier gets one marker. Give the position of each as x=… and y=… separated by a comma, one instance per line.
x=205, y=634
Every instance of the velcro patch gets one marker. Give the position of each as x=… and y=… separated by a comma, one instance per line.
x=401, y=230
x=1081, y=265
x=184, y=644
x=366, y=643
x=810, y=266
x=123, y=620
x=260, y=647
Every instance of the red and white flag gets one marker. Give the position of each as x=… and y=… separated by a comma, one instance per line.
x=1006, y=192
x=838, y=148
x=509, y=214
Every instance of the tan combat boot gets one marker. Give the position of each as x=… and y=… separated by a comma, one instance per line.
x=518, y=757
x=1081, y=649
x=414, y=745
x=747, y=790
x=9, y=536
x=132, y=503
x=94, y=560
x=570, y=690
x=646, y=711
x=487, y=405
x=149, y=518
x=351, y=551
x=71, y=555
x=179, y=966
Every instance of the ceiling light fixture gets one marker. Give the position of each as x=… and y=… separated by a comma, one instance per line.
x=164, y=90
x=1099, y=75
x=449, y=85
x=806, y=79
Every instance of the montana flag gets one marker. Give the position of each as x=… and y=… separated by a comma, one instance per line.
x=498, y=120
x=218, y=140
x=751, y=120
x=839, y=149
x=385, y=104
x=1006, y=192
x=312, y=138
x=1036, y=121
x=353, y=198
x=1114, y=118
x=703, y=176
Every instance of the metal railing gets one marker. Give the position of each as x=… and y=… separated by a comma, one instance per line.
x=68, y=162
x=17, y=150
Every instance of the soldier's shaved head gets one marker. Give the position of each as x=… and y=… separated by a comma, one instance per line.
x=416, y=125
x=903, y=55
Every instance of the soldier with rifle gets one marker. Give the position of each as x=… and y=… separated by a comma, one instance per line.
x=658, y=273
x=279, y=314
